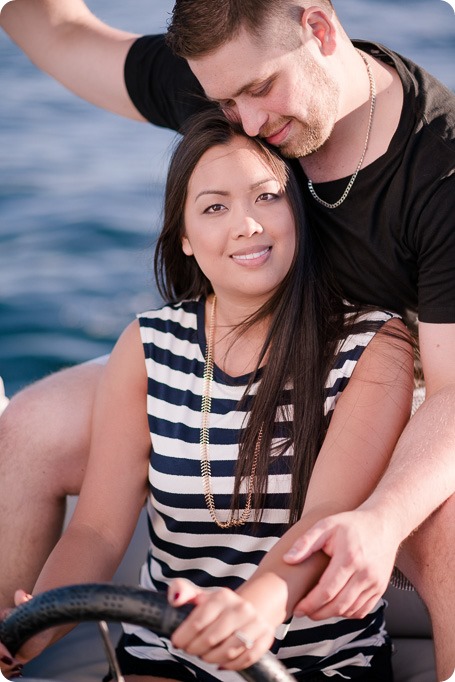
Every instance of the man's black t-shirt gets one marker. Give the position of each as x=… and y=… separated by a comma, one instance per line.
x=392, y=241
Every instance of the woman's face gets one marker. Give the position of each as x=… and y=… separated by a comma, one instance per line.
x=238, y=223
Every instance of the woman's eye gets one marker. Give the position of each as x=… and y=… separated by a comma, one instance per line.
x=214, y=208
x=267, y=196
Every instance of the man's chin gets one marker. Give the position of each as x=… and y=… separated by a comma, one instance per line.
x=296, y=151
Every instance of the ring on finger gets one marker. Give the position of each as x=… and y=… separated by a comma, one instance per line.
x=246, y=641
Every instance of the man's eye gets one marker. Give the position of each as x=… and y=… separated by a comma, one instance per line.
x=262, y=90
x=227, y=105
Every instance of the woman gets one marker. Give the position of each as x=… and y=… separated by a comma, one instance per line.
x=266, y=395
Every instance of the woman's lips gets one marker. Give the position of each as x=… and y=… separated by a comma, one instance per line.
x=252, y=256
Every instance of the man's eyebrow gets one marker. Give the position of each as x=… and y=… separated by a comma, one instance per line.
x=248, y=86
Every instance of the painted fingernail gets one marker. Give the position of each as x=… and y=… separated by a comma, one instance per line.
x=6, y=660
x=175, y=597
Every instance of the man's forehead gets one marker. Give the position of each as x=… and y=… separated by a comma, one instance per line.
x=232, y=69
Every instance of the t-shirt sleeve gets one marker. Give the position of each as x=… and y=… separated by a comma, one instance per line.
x=436, y=256
x=161, y=85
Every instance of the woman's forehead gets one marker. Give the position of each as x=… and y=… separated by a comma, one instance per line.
x=239, y=154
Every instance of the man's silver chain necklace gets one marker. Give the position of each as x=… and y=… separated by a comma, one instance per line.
x=359, y=165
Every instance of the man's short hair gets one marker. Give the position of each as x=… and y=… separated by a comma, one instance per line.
x=198, y=27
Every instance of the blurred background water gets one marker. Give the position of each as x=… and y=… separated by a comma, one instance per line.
x=81, y=190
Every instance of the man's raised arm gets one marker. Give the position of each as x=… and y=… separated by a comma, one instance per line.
x=64, y=39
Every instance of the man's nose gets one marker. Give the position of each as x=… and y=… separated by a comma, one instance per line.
x=251, y=117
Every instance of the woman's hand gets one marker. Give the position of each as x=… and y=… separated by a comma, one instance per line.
x=223, y=629
x=11, y=666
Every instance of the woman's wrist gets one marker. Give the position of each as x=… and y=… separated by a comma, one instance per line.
x=269, y=595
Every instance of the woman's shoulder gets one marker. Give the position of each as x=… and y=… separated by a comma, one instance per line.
x=361, y=326
x=369, y=314
x=177, y=312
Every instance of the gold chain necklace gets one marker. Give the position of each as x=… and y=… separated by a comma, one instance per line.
x=206, y=470
x=359, y=165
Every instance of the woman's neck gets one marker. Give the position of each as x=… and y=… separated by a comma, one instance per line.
x=235, y=351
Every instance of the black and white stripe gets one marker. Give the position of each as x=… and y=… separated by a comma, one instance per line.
x=184, y=541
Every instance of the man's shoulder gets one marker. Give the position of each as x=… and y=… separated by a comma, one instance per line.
x=161, y=85
x=432, y=102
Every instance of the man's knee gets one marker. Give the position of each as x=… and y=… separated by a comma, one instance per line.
x=428, y=555
x=48, y=424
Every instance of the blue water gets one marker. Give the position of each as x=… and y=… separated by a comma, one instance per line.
x=81, y=189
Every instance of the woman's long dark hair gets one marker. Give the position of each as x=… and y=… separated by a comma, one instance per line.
x=307, y=319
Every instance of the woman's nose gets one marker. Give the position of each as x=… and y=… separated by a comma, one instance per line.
x=246, y=226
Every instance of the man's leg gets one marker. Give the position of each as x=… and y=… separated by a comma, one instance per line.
x=428, y=560
x=44, y=444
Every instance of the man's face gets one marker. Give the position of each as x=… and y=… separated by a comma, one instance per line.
x=281, y=94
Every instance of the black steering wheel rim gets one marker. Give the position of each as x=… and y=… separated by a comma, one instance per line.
x=117, y=603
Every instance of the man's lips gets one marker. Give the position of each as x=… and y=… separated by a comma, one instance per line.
x=278, y=136
x=257, y=254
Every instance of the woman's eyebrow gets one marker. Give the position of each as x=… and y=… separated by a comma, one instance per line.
x=259, y=183
x=225, y=193
x=220, y=192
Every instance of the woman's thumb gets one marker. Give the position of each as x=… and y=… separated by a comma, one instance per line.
x=20, y=597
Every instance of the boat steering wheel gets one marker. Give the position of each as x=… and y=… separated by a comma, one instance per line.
x=99, y=602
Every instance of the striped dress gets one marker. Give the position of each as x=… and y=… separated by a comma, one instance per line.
x=184, y=541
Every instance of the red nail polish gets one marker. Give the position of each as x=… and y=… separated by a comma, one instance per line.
x=6, y=660
x=176, y=596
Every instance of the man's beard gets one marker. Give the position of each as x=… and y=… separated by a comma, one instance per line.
x=306, y=139
x=309, y=135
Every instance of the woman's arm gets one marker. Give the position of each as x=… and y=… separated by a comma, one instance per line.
x=365, y=426
x=115, y=484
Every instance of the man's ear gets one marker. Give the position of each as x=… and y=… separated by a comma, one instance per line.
x=321, y=26
x=186, y=247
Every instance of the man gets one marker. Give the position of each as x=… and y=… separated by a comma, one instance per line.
x=375, y=136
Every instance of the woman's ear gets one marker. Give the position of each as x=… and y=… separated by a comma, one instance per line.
x=186, y=247
x=322, y=28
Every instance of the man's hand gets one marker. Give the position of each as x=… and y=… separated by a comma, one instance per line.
x=362, y=556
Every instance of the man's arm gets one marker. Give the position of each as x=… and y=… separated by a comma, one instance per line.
x=421, y=475
x=420, y=478
x=64, y=39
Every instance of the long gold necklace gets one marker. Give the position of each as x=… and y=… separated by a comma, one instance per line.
x=206, y=471
x=359, y=165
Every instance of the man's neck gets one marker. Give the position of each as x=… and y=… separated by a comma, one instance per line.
x=339, y=156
